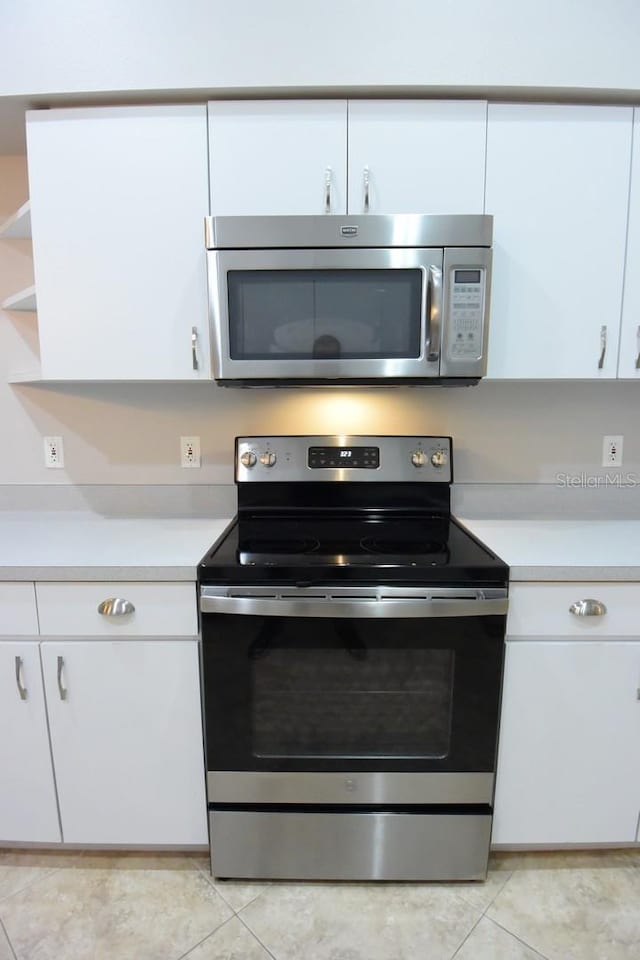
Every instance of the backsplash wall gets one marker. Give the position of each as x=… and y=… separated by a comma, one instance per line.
x=505, y=432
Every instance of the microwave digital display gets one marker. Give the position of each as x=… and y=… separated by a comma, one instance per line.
x=467, y=276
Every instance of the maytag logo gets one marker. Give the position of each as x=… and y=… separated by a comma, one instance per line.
x=349, y=231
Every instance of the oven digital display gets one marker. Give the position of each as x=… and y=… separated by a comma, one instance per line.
x=355, y=458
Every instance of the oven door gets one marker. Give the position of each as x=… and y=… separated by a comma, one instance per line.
x=317, y=315
x=352, y=695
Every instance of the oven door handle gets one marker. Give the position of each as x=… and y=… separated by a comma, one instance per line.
x=360, y=608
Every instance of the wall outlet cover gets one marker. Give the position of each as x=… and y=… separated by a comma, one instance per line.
x=612, y=451
x=190, y=452
x=53, y=453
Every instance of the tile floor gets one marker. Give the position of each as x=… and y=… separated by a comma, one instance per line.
x=90, y=906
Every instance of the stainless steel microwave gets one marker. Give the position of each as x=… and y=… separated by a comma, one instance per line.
x=330, y=300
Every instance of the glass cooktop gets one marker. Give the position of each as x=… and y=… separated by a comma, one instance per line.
x=336, y=547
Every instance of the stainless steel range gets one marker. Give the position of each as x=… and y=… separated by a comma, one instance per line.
x=353, y=640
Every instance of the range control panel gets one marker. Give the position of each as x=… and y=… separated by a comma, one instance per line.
x=466, y=310
x=343, y=458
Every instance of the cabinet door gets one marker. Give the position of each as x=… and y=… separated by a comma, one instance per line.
x=568, y=763
x=28, y=810
x=557, y=185
x=417, y=156
x=629, y=361
x=278, y=157
x=127, y=740
x=118, y=200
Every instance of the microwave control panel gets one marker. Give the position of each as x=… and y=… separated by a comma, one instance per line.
x=466, y=311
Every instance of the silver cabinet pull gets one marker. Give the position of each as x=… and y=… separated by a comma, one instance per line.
x=22, y=690
x=588, y=608
x=62, y=690
x=115, y=607
x=603, y=347
x=638, y=348
x=327, y=190
x=194, y=347
x=365, y=182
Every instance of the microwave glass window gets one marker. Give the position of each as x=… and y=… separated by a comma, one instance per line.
x=324, y=314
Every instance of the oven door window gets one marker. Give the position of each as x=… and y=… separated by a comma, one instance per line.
x=348, y=700
x=324, y=314
x=289, y=693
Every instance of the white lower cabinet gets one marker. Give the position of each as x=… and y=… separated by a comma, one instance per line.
x=100, y=736
x=28, y=810
x=568, y=763
x=126, y=737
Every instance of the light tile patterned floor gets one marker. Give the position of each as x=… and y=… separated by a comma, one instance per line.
x=101, y=906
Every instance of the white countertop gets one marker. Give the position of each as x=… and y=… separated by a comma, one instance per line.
x=563, y=549
x=81, y=546
x=84, y=546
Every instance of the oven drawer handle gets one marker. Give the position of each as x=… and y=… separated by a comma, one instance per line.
x=357, y=608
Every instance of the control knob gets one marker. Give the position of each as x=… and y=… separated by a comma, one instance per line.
x=418, y=458
x=268, y=459
x=439, y=458
x=248, y=459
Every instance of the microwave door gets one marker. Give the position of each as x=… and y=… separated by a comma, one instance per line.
x=321, y=315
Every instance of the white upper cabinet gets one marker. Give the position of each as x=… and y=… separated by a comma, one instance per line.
x=557, y=185
x=278, y=157
x=118, y=198
x=417, y=156
x=629, y=361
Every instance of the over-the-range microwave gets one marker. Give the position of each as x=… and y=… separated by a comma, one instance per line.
x=332, y=299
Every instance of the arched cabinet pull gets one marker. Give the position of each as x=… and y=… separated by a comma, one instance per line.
x=194, y=347
x=603, y=347
x=327, y=190
x=366, y=185
x=62, y=690
x=22, y=690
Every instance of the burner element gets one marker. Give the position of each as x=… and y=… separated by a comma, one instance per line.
x=280, y=546
x=413, y=548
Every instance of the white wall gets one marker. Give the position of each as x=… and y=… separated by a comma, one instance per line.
x=70, y=46
x=128, y=433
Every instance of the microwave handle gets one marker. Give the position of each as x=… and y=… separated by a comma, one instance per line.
x=434, y=313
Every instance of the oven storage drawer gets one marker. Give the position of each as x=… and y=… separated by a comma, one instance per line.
x=145, y=609
x=568, y=610
x=291, y=845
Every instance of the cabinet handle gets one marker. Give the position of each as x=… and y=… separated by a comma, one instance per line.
x=194, y=347
x=603, y=347
x=115, y=607
x=638, y=348
x=22, y=690
x=434, y=313
x=365, y=182
x=327, y=190
x=62, y=690
x=588, y=608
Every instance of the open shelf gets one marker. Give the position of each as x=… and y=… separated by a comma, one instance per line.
x=23, y=300
x=18, y=225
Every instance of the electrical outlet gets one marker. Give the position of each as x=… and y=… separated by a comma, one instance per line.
x=53, y=453
x=612, y=451
x=190, y=451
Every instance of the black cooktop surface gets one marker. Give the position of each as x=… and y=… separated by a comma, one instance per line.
x=356, y=548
